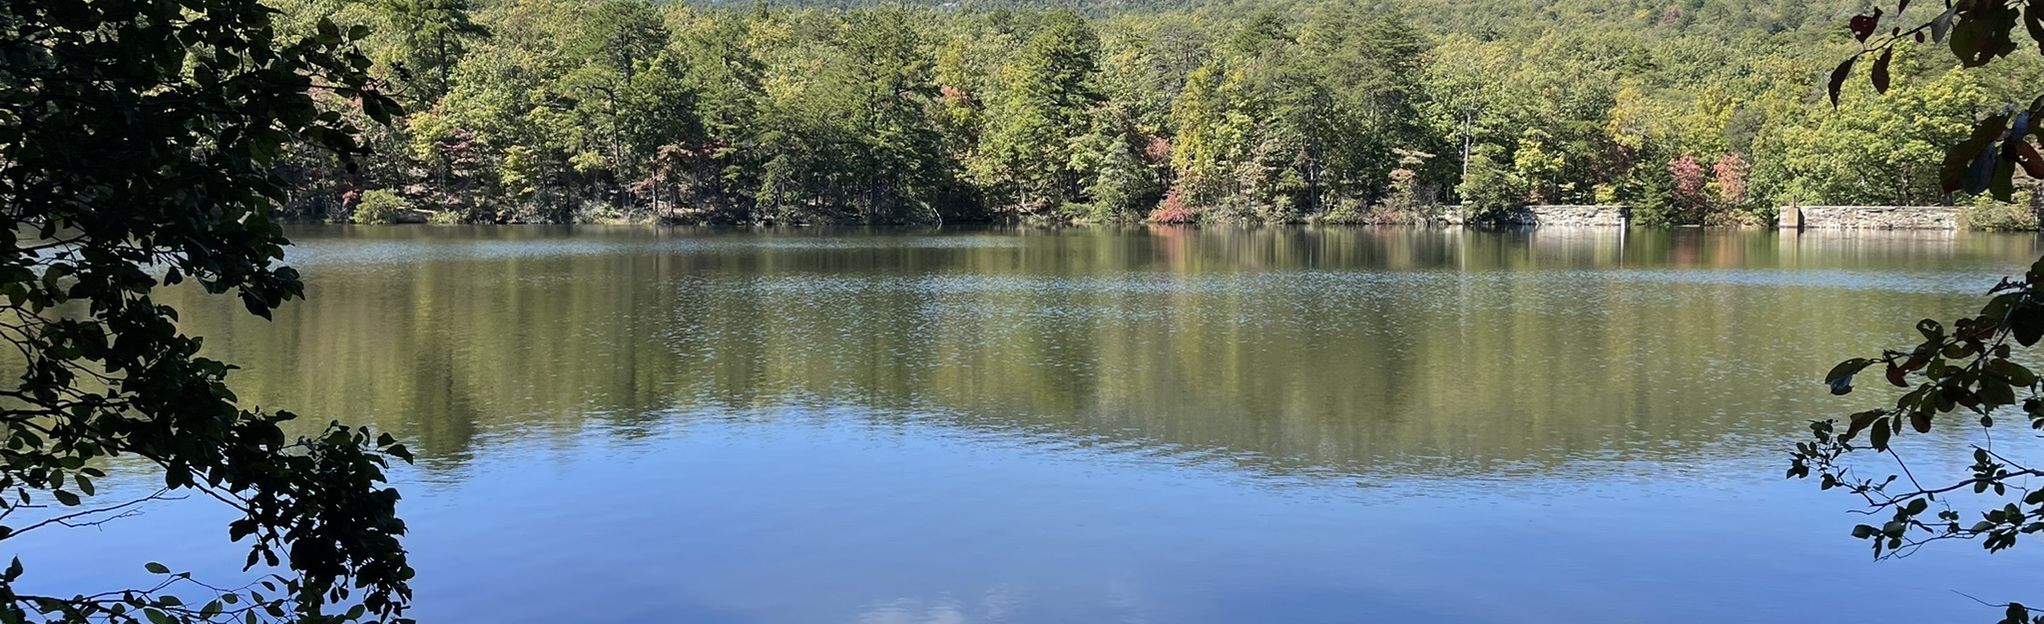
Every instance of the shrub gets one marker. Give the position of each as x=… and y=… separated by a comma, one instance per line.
x=378, y=206
x=1987, y=214
x=446, y=217
x=1345, y=212
x=1604, y=194
x=1173, y=208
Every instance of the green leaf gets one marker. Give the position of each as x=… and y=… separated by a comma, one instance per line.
x=2015, y=373
x=156, y=568
x=1840, y=377
x=1860, y=421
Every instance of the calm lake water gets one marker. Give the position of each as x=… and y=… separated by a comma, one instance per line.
x=1138, y=425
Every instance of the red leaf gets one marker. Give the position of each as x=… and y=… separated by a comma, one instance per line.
x=1863, y=25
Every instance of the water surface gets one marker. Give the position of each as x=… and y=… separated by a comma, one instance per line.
x=1134, y=425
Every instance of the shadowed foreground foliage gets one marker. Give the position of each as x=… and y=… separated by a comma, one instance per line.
x=1968, y=369
x=137, y=142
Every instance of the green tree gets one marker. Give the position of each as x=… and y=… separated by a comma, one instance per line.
x=847, y=125
x=1043, y=108
x=1491, y=187
x=134, y=156
x=627, y=109
x=434, y=34
x=724, y=73
x=1124, y=176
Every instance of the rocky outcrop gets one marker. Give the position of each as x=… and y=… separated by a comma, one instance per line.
x=1869, y=218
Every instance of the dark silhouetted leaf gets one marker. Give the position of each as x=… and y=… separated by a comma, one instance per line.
x=2027, y=326
x=1838, y=77
x=1981, y=32
x=2033, y=21
x=1863, y=25
x=1959, y=162
x=1840, y=377
x=1859, y=422
x=2001, y=181
x=1879, y=73
x=2031, y=161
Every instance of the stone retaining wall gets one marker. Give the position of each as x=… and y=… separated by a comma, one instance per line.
x=1553, y=216
x=1792, y=218
x=1869, y=218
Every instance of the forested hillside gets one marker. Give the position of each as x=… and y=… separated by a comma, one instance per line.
x=1692, y=111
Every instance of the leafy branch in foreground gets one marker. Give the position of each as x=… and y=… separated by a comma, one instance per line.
x=1967, y=369
x=137, y=147
x=1964, y=370
x=1978, y=32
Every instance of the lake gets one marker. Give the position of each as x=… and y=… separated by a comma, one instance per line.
x=1100, y=425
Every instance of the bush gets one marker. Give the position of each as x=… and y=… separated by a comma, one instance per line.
x=1096, y=212
x=1173, y=208
x=446, y=217
x=1345, y=212
x=1604, y=194
x=378, y=206
x=1987, y=214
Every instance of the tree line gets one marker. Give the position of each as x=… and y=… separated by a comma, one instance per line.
x=1691, y=112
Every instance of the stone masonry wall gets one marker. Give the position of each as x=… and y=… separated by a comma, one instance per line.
x=1870, y=218
x=1554, y=216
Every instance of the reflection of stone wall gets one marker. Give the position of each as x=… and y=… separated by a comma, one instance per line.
x=1554, y=215
x=1870, y=217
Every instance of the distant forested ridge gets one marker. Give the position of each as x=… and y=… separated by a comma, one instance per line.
x=1691, y=111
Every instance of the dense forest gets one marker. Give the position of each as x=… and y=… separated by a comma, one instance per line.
x=1690, y=111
